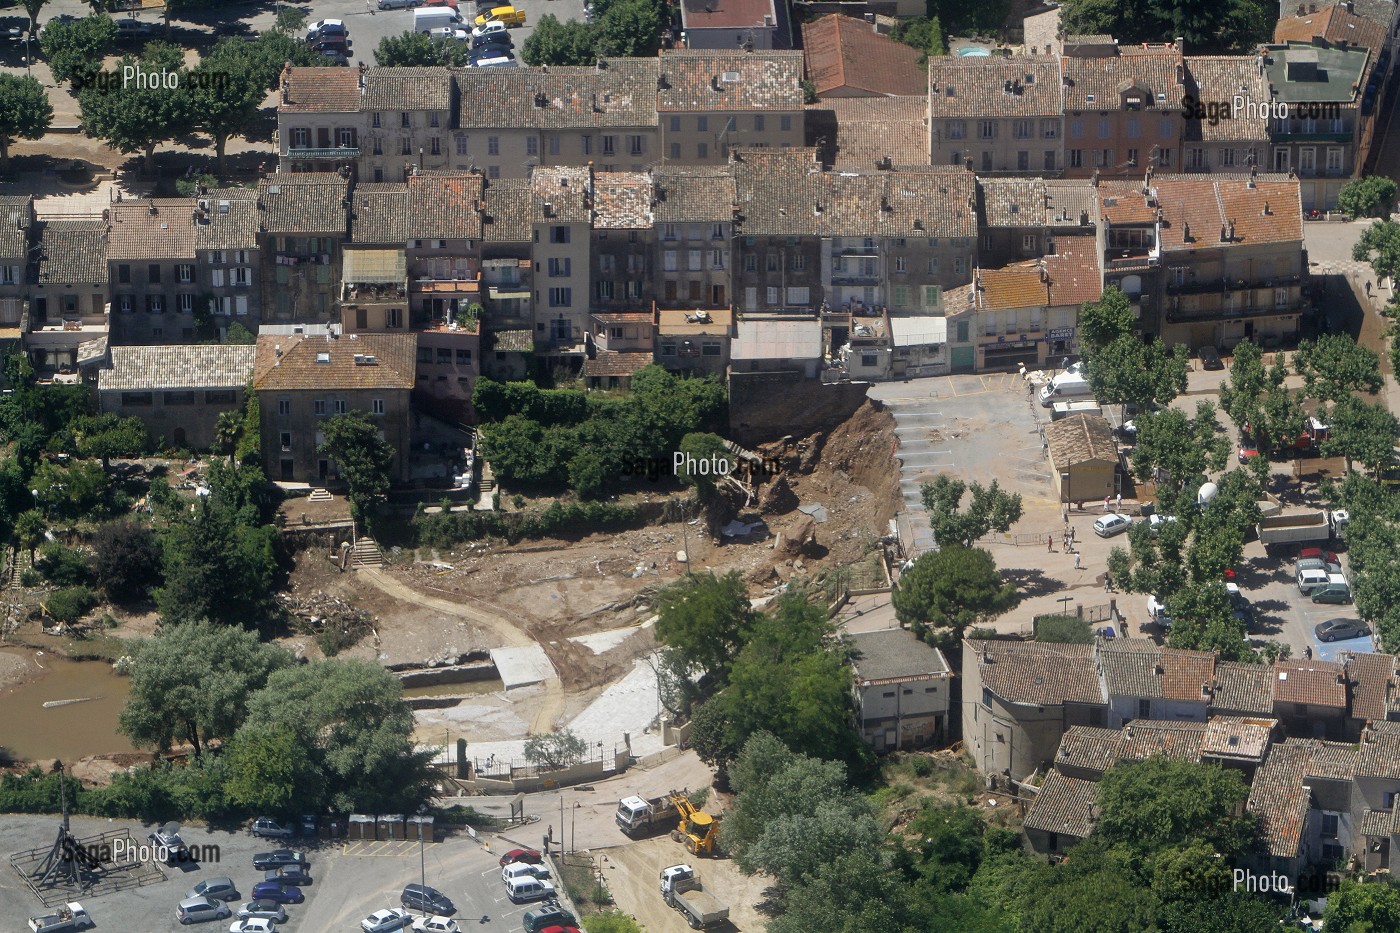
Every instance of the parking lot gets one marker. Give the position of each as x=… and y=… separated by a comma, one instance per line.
x=350, y=879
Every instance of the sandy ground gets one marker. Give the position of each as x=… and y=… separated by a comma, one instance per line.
x=632, y=873
x=16, y=668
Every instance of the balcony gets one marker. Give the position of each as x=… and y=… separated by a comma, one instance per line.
x=361, y=292
x=855, y=249
x=1227, y=286
x=1131, y=258
x=1322, y=173
x=1283, y=136
x=855, y=278
x=1178, y=315
x=334, y=154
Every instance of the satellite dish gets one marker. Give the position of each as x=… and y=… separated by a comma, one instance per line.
x=1207, y=493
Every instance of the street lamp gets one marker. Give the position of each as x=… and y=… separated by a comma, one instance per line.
x=573, y=826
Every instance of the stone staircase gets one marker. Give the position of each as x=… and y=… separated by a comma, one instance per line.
x=320, y=495
x=366, y=554
x=16, y=562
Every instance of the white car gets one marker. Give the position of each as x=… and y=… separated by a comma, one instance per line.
x=489, y=29
x=1156, y=520
x=1157, y=610
x=253, y=925
x=335, y=26
x=399, y=4
x=1114, y=524
x=132, y=27
x=436, y=925
x=449, y=32
x=386, y=921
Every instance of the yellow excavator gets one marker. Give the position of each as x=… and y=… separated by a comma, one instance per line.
x=698, y=829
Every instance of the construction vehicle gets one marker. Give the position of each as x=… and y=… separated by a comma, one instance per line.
x=698, y=829
x=636, y=816
x=680, y=886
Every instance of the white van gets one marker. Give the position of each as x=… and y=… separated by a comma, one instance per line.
x=1065, y=409
x=528, y=888
x=523, y=870
x=1063, y=387
x=431, y=19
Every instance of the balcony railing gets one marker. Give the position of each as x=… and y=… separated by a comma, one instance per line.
x=339, y=152
x=1179, y=315
x=855, y=278
x=1227, y=286
x=1283, y=136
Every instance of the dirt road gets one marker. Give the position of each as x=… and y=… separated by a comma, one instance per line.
x=632, y=872
x=501, y=629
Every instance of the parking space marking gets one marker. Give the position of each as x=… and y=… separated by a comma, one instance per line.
x=382, y=848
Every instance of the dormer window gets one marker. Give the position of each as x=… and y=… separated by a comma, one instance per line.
x=1133, y=102
x=951, y=91
x=1089, y=98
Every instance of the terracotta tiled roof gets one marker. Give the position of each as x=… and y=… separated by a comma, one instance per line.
x=617, y=363
x=694, y=195
x=1373, y=683
x=324, y=363
x=561, y=193
x=1208, y=204
x=445, y=206
x=1217, y=79
x=180, y=366
x=408, y=89
x=513, y=341
x=1064, y=806
x=1080, y=438
x=1067, y=201
x=623, y=317
x=1334, y=24
x=137, y=233
x=1187, y=675
x=1125, y=202
x=711, y=80
x=16, y=222
x=1090, y=748
x=1148, y=738
x=1376, y=822
x=1236, y=737
x=303, y=202
x=622, y=200
x=1096, y=83
x=1380, y=750
x=871, y=129
x=509, y=210
x=324, y=90
x=1090, y=38
x=977, y=87
x=72, y=252
x=1381, y=12
x=1131, y=669
x=621, y=93
x=1075, y=272
x=379, y=213
x=1316, y=683
x=1037, y=674
x=844, y=52
x=726, y=14
x=1018, y=286
x=1243, y=688
x=232, y=220
x=1277, y=797
x=785, y=192
x=1012, y=202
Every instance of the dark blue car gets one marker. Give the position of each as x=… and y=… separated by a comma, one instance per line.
x=281, y=893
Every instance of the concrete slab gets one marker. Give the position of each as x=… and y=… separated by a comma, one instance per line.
x=520, y=667
x=600, y=642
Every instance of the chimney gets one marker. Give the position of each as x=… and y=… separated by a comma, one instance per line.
x=1224, y=234
x=1232, y=230
x=1158, y=670
x=1267, y=212
x=152, y=210
x=1186, y=232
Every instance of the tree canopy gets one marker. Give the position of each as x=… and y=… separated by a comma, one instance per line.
x=706, y=619
x=949, y=590
x=1128, y=370
x=1380, y=246
x=1334, y=366
x=990, y=510
x=25, y=113
x=74, y=50
x=144, y=114
x=1103, y=321
x=362, y=457
x=1372, y=196
x=418, y=49
x=1239, y=26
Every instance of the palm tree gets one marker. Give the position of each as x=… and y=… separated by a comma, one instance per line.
x=30, y=528
x=227, y=430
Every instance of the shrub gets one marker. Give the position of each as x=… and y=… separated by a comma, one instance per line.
x=921, y=766
x=71, y=603
x=30, y=577
x=63, y=565
x=1066, y=630
x=127, y=561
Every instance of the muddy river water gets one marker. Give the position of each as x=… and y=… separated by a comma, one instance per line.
x=70, y=731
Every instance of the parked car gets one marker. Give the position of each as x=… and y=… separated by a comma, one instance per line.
x=1310, y=579
x=494, y=55
x=269, y=828
x=436, y=925
x=175, y=848
x=549, y=915
x=494, y=40
x=201, y=910
x=1157, y=612
x=528, y=856
x=281, y=893
x=1330, y=557
x=289, y=874
x=131, y=28
x=252, y=925
x=335, y=45
x=560, y=929
x=428, y=900
x=386, y=921
x=1114, y=524
x=399, y=4
x=447, y=3
x=1156, y=520
x=1248, y=450
x=1316, y=563
x=64, y=18
x=1209, y=358
x=277, y=858
x=507, y=15
x=267, y=910
x=326, y=27
x=451, y=32
x=489, y=29
x=334, y=57
x=1335, y=593
x=221, y=889
x=1341, y=629
x=523, y=869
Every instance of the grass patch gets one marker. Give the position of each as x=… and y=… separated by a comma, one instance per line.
x=580, y=878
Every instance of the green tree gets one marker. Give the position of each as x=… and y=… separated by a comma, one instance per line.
x=32, y=8
x=587, y=473
x=1372, y=196
x=1095, y=892
x=75, y=50
x=228, y=429
x=1129, y=371
x=1158, y=802
x=703, y=447
x=25, y=113
x=30, y=528
x=362, y=457
x=551, y=751
x=705, y=618
x=1063, y=630
x=127, y=560
x=630, y=28
x=1363, y=908
x=78, y=490
x=417, y=49
x=1380, y=246
x=138, y=118
x=1362, y=432
x=107, y=435
x=216, y=568
x=290, y=21
x=226, y=96
x=349, y=717
x=555, y=43
x=1202, y=620
x=950, y=589
x=1104, y=321
x=192, y=683
x=923, y=33
x=269, y=772
x=1334, y=366
x=990, y=510
x=1152, y=563
x=1182, y=448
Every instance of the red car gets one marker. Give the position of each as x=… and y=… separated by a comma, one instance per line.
x=528, y=856
x=1328, y=556
x=559, y=929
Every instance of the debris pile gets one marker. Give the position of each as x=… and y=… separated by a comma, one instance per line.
x=311, y=613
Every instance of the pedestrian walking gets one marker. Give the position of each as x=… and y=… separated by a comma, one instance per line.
x=1107, y=582
x=1105, y=502
x=1050, y=544
x=1072, y=531
x=1077, y=565
x=1118, y=505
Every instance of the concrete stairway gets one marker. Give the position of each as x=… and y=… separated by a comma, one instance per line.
x=366, y=554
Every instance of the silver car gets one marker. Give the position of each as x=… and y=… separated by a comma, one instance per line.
x=200, y=910
x=399, y=4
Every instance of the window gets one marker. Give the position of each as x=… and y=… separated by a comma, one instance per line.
x=959, y=266
x=1104, y=128
x=493, y=171
x=124, y=302
x=1030, y=243
x=1334, y=161
x=340, y=406
x=587, y=143
x=758, y=123
x=675, y=149
x=347, y=139
x=899, y=265
x=901, y=296
x=986, y=129
x=1329, y=825
x=669, y=260
x=376, y=120
x=774, y=294
x=702, y=124
x=675, y=124
x=694, y=259
x=240, y=277
x=532, y=146
x=301, y=138
x=435, y=145
x=1076, y=158
x=1049, y=129
x=559, y=234
x=184, y=303
x=750, y=262
x=493, y=145
x=962, y=332
x=376, y=406
x=560, y=267
x=668, y=349
x=136, y=399
x=1022, y=129
x=425, y=354
x=716, y=259
x=461, y=145
x=153, y=274
x=286, y=440
x=284, y=406
x=560, y=297
x=702, y=151
x=799, y=297
x=871, y=359
x=957, y=129
x=1134, y=128
x=321, y=406
x=1023, y=161
x=405, y=146
x=608, y=145
x=220, y=397
x=635, y=145
x=184, y=273
x=155, y=304
x=603, y=289
x=554, y=145
x=404, y=120
x=444, y=356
